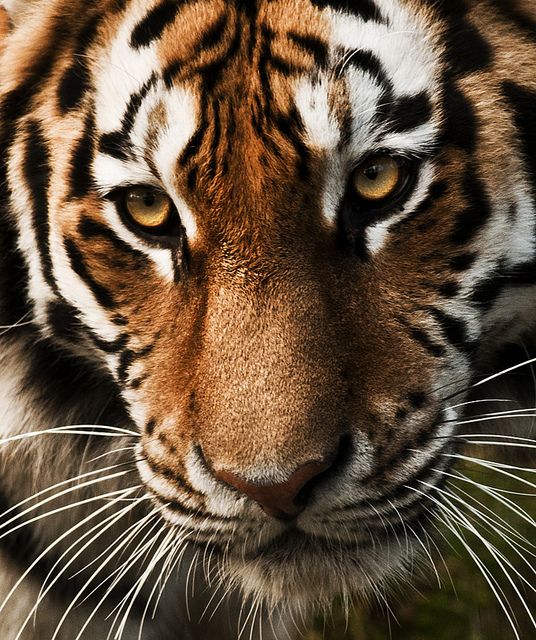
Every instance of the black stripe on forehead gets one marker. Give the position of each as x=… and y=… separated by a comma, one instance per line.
x=117, y=143
x=368, y=62
x=76, y=81
x=410, y=112
x=154, y=23
x=364, y=9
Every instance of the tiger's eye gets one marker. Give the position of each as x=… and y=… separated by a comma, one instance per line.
x=378, y=179
x=148, y=207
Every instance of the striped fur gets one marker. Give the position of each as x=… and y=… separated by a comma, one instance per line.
x=279, y=324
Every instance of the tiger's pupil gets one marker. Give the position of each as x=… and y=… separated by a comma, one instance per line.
x=372, y=172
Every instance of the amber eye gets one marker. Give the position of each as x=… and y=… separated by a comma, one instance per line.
x=148, y=208
x=379, y=180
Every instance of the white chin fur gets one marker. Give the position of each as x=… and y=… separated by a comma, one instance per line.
x=299, y=580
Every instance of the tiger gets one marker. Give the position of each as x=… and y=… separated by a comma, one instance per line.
x=254, y=253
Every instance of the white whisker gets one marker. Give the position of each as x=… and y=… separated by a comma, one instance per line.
x=82, y=485
x=66, y=507
x=59, y=539
x=76, y=430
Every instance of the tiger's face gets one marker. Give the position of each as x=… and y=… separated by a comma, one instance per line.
x=274, y=224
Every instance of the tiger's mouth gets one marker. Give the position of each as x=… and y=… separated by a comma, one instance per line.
x=361, y=524
x=298, y=570
x=308, y=561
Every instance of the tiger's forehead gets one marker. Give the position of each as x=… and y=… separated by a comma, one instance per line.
x=194, y=94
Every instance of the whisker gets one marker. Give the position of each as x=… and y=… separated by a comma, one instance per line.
x=67, y=507
x=87, y=474
x=499, y=557
x=509, y=504
x=127, y=536
x=119, y=572
x=494, y=435
x=101, y=527
x=76, y=430
x=55, y=496
x=60, y=539
x=136, y=589
x=490, y=378
x=488, y=576
x=110, y=453
x=498, y=519
x=482, y=401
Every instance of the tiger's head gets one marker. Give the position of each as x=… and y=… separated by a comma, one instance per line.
x=287, y=229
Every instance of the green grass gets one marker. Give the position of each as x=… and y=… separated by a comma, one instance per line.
x=464, y=608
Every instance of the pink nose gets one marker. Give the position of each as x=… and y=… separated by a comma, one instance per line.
x=278, y=500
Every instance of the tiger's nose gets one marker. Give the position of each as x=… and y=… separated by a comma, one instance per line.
x=284, y=500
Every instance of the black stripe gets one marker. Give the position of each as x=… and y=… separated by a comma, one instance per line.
x=522, y=20
x=461, y=122
x=454, y=329
x=477, y=211
x=291, y=126
x=289, y=69
x=410, y=112
x=463, y=261
x=78, y=264
x=419, y=335
x=364, y=9
x=117, y=143
x=75, y=81
x=161, y=469
x=154, y=23
x=16, y=103
x=213, y=35
x=385, y=469
x=63, y=320
x=89, y=228
x=449, y=289
x=487, y=291
x=468, y=50
x=212, y=164
x=312, y=45
x=523, y=104
x=37, y=173
x=195, y=141
x=128, y=358
x=81, y=176
x=436, y=191
x=368, y=62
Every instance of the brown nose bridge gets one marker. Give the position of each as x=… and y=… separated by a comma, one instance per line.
x=268, y=374
x=279, y=500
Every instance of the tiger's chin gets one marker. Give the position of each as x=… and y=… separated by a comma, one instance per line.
x=297, y=571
